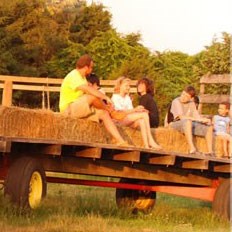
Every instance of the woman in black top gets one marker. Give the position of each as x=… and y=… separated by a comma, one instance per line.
x=145, y=88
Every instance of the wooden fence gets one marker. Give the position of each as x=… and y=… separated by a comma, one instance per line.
x=43, y=85
x=47, y=85
x=213, y=98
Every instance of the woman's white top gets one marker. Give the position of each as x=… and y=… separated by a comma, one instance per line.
x=122, y=103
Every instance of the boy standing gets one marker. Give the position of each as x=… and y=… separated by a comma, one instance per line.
x=221, y=124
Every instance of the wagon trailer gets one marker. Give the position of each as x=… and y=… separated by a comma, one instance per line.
x=37, y=144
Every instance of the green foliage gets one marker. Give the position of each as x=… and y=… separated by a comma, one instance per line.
x=88, y=22
x=115, y=56
x=108, y=51
x=65, y=60
x=28, y=25
x=216, y=58
x=173, y=70
x=133, y=69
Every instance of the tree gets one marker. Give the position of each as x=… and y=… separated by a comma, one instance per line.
x=108, y=50
x=88, y=22
x=216, y=58
x=65, y=60
x=28, y=26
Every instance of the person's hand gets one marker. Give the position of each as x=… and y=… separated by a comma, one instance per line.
x=140, y=109
x=108, y=100
x=206, y=121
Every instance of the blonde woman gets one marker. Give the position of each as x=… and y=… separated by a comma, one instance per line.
x=135, y=117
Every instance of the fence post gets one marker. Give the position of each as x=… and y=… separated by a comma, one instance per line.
x=202, y=91
x=230, y=103
x=7, y=93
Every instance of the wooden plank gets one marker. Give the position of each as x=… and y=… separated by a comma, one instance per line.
x=39, y=88
x=111, y=90
x=108, y=147
x=22, y=79
x=51, y=149
x=55, y=88
x=196, y=164
x=29, y=84
x=210, y=98
x=216, y=79
x=132, y=156
x=163, y=160
x=113, y=82
x=90, y=152
x=122, y=169
x=51, y=80
x=5, y=146
x=7, y=93
x=223, y=168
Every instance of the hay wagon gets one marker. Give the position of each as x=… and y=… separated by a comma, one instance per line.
x=37, y=144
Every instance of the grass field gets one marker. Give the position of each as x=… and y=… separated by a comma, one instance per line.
x=90, y=209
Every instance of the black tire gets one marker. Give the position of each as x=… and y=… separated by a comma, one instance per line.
x=135, y=201
x=25, y=183
x=221, y=202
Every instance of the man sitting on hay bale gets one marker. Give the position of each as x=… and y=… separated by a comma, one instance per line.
x=184, y=117
x=80, y=100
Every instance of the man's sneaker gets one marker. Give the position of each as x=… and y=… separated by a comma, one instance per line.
x=118, y=115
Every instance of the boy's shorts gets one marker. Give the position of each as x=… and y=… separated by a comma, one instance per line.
x=198, y=128
x=81, y=109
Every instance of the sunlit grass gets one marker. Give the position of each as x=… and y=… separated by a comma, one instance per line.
x=77, y=208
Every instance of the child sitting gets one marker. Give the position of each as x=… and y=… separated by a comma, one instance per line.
x=221, y=124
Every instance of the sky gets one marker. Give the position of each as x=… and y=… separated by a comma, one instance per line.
x=172, y=25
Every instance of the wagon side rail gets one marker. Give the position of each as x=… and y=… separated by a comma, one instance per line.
x=43, y=85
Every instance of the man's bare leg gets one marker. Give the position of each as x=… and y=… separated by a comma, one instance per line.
x=111, y=127
x=105, y=117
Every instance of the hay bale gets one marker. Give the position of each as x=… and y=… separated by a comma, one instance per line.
x=172, y=140
x=45, y=124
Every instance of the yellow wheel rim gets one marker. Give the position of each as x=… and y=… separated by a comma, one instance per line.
x=35, y=190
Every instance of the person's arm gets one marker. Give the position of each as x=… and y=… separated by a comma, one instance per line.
x=178, y=113
x=92, y=91
x=213, y=120
x=176, y=109
x=228, y=127
x=197, y=119
x=196, y=116
x=149, y=104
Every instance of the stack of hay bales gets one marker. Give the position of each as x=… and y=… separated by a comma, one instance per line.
x=45, y=124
